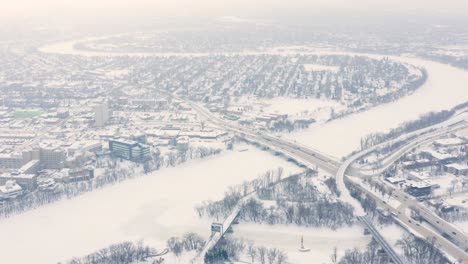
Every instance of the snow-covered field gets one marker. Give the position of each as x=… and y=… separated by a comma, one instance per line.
x=153, y=207
x=296, y=106
x=320, y=241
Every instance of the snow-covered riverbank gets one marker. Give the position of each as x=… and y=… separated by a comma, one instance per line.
x=154, y=208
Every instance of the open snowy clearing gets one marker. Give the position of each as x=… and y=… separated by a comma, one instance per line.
x=320, y=241
x=153, y=207
x=292, y=106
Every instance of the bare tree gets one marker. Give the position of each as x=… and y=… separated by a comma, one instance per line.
x=334, y=256
x=262, y=251
x=251, y=251
x=271, y=254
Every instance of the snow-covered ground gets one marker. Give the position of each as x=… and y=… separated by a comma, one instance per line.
x=462, y=225
x=153, y=207
x=318, y=67
x=319, y=109
x=392, y=233
x=292, y=106
x=320, y=241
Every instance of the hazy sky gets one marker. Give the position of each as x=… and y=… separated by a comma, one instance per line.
x=21, y=8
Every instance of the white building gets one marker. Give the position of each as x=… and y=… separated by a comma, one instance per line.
x=101, y=114
x=10, y=190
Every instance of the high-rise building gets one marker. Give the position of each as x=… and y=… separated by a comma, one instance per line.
x=101, y=114
x=53, y=157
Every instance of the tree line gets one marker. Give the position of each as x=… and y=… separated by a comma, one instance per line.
x=115, y=171
x=230, y=249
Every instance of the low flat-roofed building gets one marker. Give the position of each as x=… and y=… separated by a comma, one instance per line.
x=26, y=181
x=419, y=189
x=457, y=169
x=437, y=156
x=31, y=167
x=395, y=180
x=449, y=142
x=11, y=160
x=10, y=190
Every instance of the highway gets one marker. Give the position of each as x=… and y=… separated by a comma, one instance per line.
x=455, y=250
x=311, y=157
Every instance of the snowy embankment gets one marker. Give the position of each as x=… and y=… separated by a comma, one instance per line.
x=154, y=208
x=445, y=88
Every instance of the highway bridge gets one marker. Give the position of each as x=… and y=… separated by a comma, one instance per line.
x=224, y=228
x=382, y=242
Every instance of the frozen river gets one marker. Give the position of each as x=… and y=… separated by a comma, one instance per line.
x=154, y=208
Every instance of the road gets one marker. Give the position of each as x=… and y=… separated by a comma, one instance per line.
x=311, y=158
x=455, y=250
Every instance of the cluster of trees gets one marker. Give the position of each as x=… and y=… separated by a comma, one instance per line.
x=368, y=203
x=424, y=121
x=297, y=201
x=458, y=214
x=229, y=249
x=188, y=242
x=115, y=172
x=289, y=125
x=124, y=253
x=372, y=255
x=331, y=184
x=182, y=154
x=294, y=189
x=415, y=250
x=379, y=188
x=321, y=213
x=222, y=208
